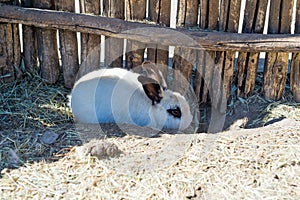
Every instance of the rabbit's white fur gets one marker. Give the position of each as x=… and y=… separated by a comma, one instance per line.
x=116, y=95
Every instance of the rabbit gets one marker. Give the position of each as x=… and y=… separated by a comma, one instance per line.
x=116, y=95
x=151, y=70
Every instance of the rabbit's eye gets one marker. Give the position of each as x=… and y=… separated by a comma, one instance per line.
x=176, y=112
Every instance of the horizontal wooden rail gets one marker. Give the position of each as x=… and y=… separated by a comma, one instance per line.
x=149, y=33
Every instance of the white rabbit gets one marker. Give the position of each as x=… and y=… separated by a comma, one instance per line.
x=121, y=96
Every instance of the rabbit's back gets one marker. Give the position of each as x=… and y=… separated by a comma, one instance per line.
x=110, y=95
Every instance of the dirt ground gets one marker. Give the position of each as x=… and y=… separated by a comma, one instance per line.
x=44, y=154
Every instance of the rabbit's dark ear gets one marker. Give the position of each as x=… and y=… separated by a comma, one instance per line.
x=151, y=88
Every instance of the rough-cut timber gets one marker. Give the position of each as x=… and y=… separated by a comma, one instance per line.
x=47, y=47
x=159, y=12
x=231, y=25
x=276, y=64
x=90, y=42
x=136, y=10
x=223, y=66
x=247, y=64
x=295, y=66
x=184, y=58
x=29, y=44
x=208, y=19
x=10, y=51
x=114, y=46
x=215, y=41
x=68, y=47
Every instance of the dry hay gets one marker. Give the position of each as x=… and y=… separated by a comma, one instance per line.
x=247, y=164
x=29, y=108
x=236, y=164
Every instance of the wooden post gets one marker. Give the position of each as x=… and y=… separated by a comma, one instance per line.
x=224, y=66
x=247, y=64
x=47, y=47
x=295, y=66
x=159, y=12
x=136, y=10
x=29, y=43
x=184, y=58
x=208, y=20
x=276, y=64
x=90, y=43
x=68, y=47
x=114, y=46
x=10, y=51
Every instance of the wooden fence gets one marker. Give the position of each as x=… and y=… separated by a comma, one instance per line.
x=205, y=40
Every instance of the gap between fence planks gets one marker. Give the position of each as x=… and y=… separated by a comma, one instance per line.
x=215, y=41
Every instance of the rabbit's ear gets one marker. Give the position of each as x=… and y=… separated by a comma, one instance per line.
x=151, y=88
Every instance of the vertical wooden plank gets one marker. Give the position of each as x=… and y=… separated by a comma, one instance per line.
x=247, y=64
x=204, y=11
x=224, y=66
x=136, y=10
x=208, y=19
x=200, y=62
x=68, y=47
x=233, y=23
x=295, y=65
x=29, y=43
x=90, y=44
x=230, y=12
x=276, y=65
x=113, y=46
x=159, y=12
x=184, y=58
x=7, y=72
x=47, y=47
x=224, y=13
x=10, y=50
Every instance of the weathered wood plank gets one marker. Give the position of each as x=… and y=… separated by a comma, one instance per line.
x=114, y=46
x=159, y=12
x=276, y=64
x=47, y=47
x=232, y=26
x=254, y=18
x=184, y=58
x=204, y=11
x=215, y=41
x=90, y=42
x=210, y=16
x=29, y=44
x=136, y=10
x=10, y=50
x=295, y=65
x=68, y=47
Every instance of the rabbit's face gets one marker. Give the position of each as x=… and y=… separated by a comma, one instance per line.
x=172, y=112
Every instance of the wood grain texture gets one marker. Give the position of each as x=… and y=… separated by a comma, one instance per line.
x=47, y=47
x=295, y=64
x=247, y=64
x=90, y=42
x=10, y=52
x=68, y=47
x=184, y=58
x=29, y=44
x=114, y=46
x=159, y=12
x=136, y=10
x=276, y=64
